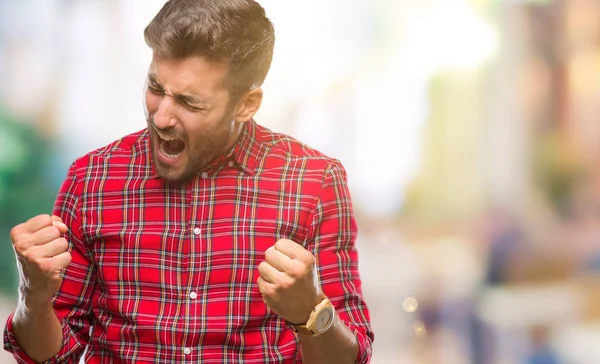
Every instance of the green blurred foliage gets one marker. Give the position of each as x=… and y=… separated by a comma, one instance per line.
x=25, y=188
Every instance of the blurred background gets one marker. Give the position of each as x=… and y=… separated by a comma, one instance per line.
x=470, y=131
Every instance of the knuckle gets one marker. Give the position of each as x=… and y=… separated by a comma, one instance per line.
x=267, y=292
x=64, y=261
x=286, y=283
x=46, y=219
x=282, y=243
x=20, y=247
x=308, y=258
x=261, y=287
x=15, y=233
x=269, y=253
x=54, y=231
x=43, y=220
x=26, y=255
x=63, y=244
x=295, y=272
x=45, y=265
x=298, y=270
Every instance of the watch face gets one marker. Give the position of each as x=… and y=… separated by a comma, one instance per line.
x=324, y=319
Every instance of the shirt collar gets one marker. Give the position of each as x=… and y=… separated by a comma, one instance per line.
x=248, y=150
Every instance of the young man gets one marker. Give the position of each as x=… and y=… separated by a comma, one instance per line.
x=202, y=238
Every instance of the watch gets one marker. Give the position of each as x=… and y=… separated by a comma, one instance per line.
x=320, y=319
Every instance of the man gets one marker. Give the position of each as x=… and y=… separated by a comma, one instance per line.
x=204, y=237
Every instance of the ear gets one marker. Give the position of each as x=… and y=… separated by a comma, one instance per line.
x=248, y=105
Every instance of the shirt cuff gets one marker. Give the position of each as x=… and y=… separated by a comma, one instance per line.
x=365, y=343
x=71, y=347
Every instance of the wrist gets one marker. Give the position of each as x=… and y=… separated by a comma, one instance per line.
x=302, y=319
x=24, y=315
x=31, y=303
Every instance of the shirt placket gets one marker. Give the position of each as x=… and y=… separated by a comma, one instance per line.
x=194, y=298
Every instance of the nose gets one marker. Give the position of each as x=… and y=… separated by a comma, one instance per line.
x=164, y=117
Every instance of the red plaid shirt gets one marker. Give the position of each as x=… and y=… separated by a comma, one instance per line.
x=166, y=273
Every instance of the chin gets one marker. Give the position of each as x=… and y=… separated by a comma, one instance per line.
x=167, y=174
x=170, y=173
x=173, y=174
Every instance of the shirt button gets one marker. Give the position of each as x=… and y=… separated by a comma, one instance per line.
x=193, y=295
x=197, y=231
x=230, y=163
x=187, y=351
x=204, y=175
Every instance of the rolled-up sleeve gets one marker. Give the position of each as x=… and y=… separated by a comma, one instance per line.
x=73, y=301
x=334, y=232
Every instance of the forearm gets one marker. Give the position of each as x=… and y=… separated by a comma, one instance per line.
x=337, y=345
x=37, y=330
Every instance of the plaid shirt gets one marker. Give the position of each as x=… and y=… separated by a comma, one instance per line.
x=166, y=273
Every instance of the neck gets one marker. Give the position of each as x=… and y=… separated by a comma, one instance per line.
x=238, y=128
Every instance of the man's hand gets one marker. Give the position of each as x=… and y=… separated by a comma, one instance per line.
x=289, y=282
x=41, y=255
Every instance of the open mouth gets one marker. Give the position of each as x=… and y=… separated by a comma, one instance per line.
x=169, y=146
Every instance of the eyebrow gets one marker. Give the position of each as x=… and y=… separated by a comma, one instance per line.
x=187, y=98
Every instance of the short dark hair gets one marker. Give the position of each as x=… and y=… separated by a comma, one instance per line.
x=234, y=31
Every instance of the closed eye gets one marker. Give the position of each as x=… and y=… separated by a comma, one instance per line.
x=183, y=101
x=192, y=108
x=156, y=90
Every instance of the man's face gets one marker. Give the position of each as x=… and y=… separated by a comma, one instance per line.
x=189, y=117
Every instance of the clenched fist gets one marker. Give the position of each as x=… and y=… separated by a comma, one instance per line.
x=289, y=282
x=41, y=255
